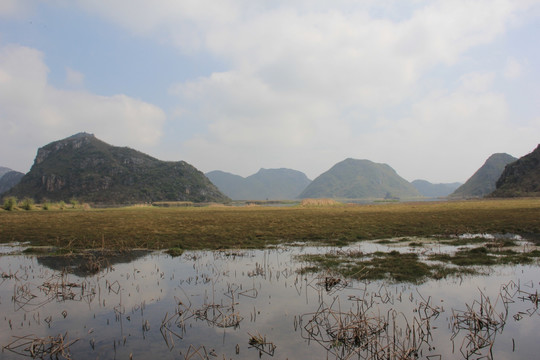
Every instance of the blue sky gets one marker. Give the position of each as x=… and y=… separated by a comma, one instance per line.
x=432, y=88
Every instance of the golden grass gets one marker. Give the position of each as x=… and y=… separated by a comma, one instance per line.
x=248, y=227
x=319, y=202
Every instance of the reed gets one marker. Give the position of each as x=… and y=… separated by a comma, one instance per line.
x=42, y=347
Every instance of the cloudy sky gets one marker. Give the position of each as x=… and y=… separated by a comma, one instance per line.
x=431, y=88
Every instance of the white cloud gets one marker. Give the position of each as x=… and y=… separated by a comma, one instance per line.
x=477, y=82
x=513, y=69
x=298, y=75
x=34, y=112
x=448, y=136
x=74, y=78
x=309, y=83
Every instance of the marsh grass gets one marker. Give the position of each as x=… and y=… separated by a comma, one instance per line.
x=256, y=227
x=486, y=256
x=396, y=266
x=172, y=203
x=463, y=241
x=409, y=267
x=175, y=251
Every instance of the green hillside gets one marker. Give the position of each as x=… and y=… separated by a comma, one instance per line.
x=89, y=170
x=484, y=179
x=360, y=179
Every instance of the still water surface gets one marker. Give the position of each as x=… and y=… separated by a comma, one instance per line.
x=255, y=304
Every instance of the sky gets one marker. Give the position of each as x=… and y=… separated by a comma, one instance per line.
x=430, y=87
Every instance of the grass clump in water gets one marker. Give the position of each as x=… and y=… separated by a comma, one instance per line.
x=464, y=241
x=400, y=267
x=467, y=257
x=175, y=251
x=487, y=255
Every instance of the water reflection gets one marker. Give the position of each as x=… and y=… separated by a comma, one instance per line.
x=248, y=304
x=89, y=262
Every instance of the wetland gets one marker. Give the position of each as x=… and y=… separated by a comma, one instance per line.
x=418, y=281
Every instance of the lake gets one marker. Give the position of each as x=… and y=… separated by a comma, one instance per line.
x=247, y=304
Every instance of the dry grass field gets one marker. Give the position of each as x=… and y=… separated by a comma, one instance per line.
x=218, y=227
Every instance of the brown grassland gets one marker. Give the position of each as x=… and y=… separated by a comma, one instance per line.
x=217, y=227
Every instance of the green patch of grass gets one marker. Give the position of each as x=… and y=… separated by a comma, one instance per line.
x=175, y=251
x=33, y=250
x=501, y=243
x=442, y=272
x=464, y=241
x=487, y=256
x=339, y=242
x=324, y=261
x=396, y=266
x=408, y=267
x=309, y=269
x=467, y=257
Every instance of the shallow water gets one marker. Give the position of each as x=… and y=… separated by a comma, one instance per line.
x=250, y=304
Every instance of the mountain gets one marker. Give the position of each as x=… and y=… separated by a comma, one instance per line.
x=4, y=170
x=484, y=179
x=87, y=169
x=266, y=184
x=358, y=179
x=9, y=180
x=520, y=178
x=427, y=189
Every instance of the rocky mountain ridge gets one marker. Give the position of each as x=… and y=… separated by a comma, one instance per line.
x=520, y=178
x=88, y=169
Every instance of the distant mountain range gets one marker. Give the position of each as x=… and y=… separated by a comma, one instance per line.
x=9, y=178
x=87, y=169
x=427, y=189
x=520, y=178
x=266, y=184
x=484, y=179
x=360, y=179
